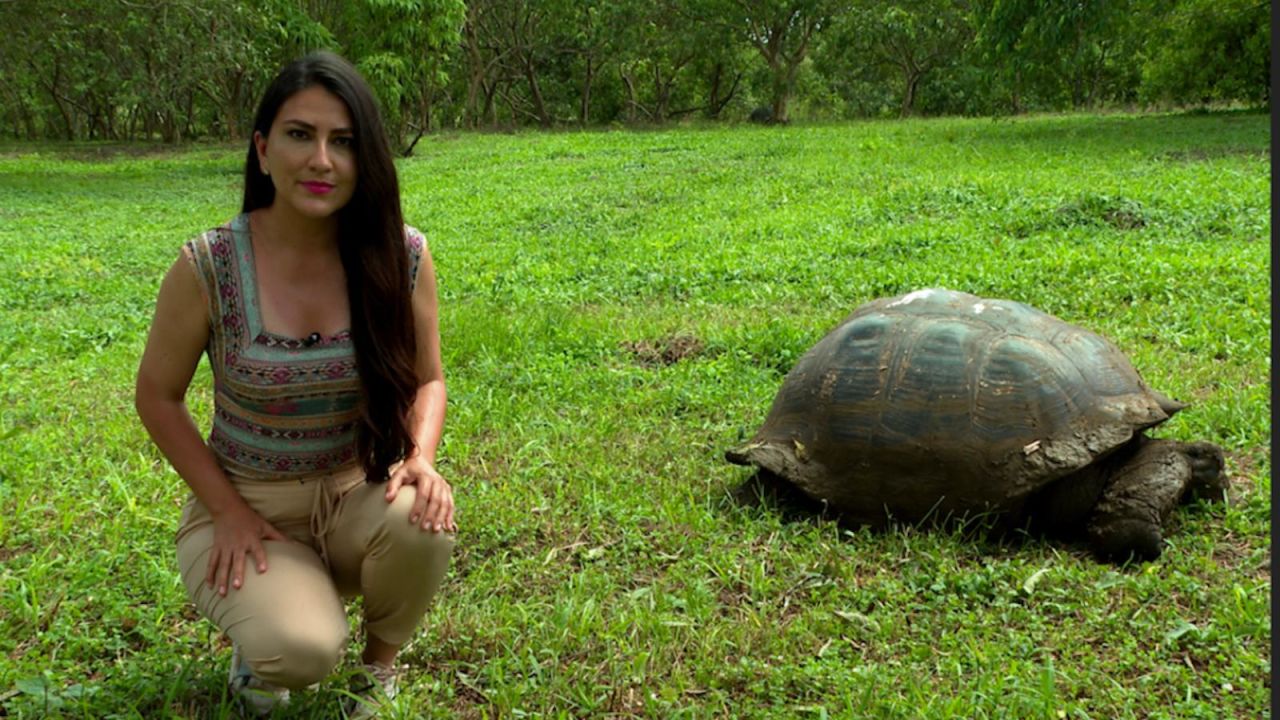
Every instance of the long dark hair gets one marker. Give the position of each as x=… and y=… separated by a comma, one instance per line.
x=371, y=244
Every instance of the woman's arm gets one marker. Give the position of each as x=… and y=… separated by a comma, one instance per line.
x=433, y=506
x=179, y=333
x=427, y=421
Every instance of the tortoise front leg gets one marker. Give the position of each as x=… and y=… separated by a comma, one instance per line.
x=1137, y=499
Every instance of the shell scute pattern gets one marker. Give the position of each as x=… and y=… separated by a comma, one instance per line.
x=940, y=393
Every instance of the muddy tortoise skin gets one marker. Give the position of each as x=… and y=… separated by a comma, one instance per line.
x=939, y=405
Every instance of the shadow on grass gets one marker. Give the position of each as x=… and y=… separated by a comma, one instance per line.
x=986, y=533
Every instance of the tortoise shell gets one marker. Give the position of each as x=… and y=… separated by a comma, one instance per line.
x=940, y=403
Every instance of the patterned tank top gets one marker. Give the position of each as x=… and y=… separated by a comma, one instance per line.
x=283, y=407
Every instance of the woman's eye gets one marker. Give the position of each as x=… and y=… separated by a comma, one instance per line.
x=297, y=134
x=344, y=141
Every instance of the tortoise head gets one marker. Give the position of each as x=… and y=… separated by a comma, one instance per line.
x=1208, y=481
x=1166, y=403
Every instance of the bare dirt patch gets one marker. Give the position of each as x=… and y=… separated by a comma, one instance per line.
x=664, y=351
x=9, y=553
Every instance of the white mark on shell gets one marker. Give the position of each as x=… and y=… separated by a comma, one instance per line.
x=1031, y=447
x=911, y=297
x=978, y=308
x=828, y=386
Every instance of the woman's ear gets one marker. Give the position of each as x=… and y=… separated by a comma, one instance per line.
x=260, y=143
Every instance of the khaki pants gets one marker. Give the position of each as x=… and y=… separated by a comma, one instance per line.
x=290, y=622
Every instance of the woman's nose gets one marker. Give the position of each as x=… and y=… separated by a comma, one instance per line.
x=320, y=156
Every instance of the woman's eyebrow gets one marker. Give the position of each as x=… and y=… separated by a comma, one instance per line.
x=308, y=126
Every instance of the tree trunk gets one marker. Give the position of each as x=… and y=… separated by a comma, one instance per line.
x=233, y=105
x=1095, y=91
x=112, y=117
x=661, y=96
x=784, y=80
x=511, y=104
x=539, y=106
x=1077, y=76
x=475, y=83
x=716, y=104
x=779, y=108
x=52, y=87
x=584, y=110
x=1015, y=99
x=909, y=92
x=188, y=128
x=424, y=112
x=168, y=126
x=781, y=93
x=476, y=73
x=713, y=95
x=632, y=104
x=27, y=121
x=19, y=115
x=490, y=107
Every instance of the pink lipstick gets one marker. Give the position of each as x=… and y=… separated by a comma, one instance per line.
x=319, y=188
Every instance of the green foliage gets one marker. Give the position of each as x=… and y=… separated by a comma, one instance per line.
x=1210, y=51
x=781, y=31
x=901, y=43
x=402, y=48
x=176, y=70
x=1063, y=51
x=617, y=309
x=181, y=69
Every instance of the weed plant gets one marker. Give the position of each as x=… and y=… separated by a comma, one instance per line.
x=618, y=308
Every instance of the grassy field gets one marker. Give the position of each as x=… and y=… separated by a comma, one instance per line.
x=618, y=309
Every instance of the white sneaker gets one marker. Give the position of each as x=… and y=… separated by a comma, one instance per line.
x=375, y=685
x=256, y=695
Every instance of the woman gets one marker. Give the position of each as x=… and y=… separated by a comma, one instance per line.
x=317, y=309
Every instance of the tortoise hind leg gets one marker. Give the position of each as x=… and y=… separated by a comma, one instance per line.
x=1060, y=509
x=1142, y=491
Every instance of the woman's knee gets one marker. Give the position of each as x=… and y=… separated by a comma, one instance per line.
x=411, y=535
x=296, y=655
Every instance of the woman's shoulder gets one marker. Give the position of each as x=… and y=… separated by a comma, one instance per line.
x=209, y=254
x=414, y=239
x=414, y=243
x=215, y=241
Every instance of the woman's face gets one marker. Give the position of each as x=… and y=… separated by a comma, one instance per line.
x=310, y=153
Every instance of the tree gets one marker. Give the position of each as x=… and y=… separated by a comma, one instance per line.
x=1062, y=48
x=402, y=48
x=485, y=59
x=653, y=56
x=521, y=28
x=1202, y=51
x=585, y=30
x=910, y=38
x=178, y=69
x=781, y=31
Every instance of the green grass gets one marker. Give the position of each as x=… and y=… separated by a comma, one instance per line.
x=618, y=308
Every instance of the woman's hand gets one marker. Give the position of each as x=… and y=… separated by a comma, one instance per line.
x=237, y=534
x=433, y=506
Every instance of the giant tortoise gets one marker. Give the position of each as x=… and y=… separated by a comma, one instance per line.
x=940, y=405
